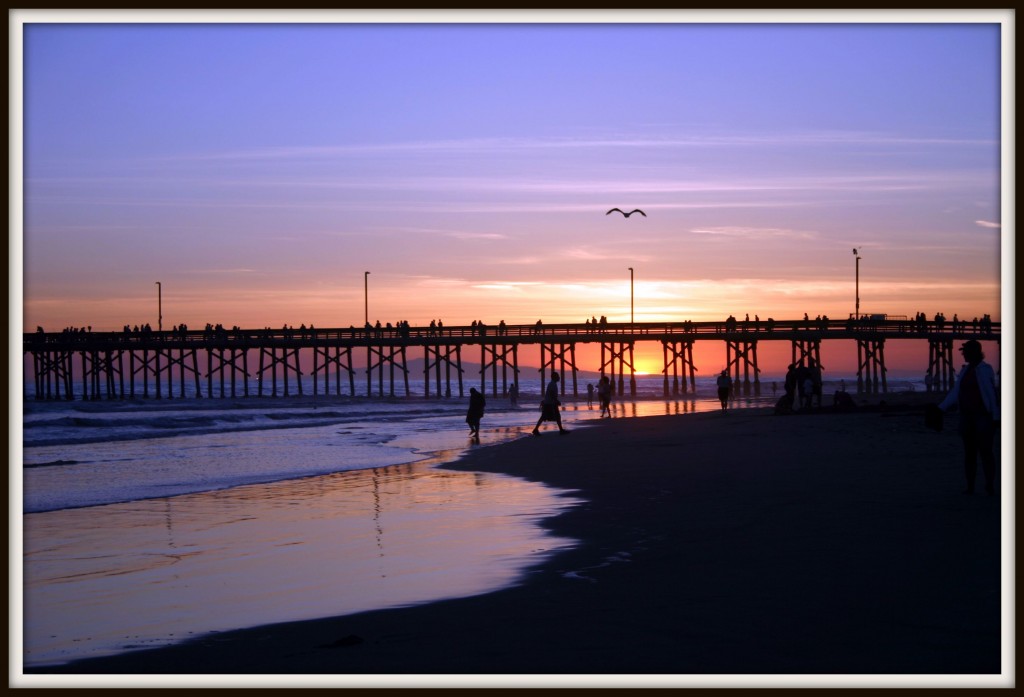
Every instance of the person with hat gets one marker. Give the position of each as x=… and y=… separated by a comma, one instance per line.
x=976, y=397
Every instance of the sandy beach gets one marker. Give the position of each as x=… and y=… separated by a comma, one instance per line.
x=711, y=544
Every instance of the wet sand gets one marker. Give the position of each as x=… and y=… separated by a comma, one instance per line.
x=715, y=545
x=102, y=580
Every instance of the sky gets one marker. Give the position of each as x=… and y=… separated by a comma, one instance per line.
x=257, y=171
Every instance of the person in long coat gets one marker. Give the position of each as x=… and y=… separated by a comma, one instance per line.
x=476, y=411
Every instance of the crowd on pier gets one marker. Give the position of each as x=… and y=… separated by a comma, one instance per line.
x=403, y=329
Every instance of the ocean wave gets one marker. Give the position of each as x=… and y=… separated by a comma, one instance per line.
x=55, y=463
x=66, y=424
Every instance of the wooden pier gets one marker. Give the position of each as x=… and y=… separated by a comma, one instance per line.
x=158, y=365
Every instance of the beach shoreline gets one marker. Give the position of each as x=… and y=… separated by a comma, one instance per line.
x=721, y=544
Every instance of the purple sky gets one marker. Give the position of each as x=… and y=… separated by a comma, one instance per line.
x=257, y=170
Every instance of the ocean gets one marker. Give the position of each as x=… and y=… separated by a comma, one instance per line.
x=147, y=522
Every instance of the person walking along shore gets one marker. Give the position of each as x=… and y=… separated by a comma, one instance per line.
x=724, y=383
x=476, y=412
x=549, y=407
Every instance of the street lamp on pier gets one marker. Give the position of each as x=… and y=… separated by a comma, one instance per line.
x=159, y=307
x=632, y=371
x=857, y=287
x=366, y=296
x=631, y=297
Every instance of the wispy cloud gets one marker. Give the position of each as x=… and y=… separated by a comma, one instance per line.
x=440, y=232
x=755, y=233
x=598, y=254
x=985, y=223
x=476, y=235
x=499, y=144
x=528, y=260
x=507, y=286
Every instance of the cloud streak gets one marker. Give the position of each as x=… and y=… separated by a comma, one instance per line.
x=755, y=233
x=504, y=145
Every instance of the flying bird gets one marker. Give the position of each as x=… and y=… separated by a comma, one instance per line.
x=635, y=210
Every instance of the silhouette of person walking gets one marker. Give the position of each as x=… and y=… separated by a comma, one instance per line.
x=476, y=412
x=790, y=386
x=513, y=395
x=724, y=383
x=604, y=395
x=974, y=394
x=549, y=406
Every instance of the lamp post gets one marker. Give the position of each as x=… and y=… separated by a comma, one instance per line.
x=366, y=296
x=857, y=287
x=631, y=297
x=159, y=307
x=632, y=371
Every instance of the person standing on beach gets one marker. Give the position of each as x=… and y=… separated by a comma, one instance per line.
x=814, y=372
x=604, y=395
x=975, y=394
x=476, y=412
x=549, y=406
x=590, y=394
x=790, y=386
x=724, y=383
x=513, y=395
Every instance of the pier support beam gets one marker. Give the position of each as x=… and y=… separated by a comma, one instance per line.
x=237, y=360
x=53, y=374
x=184, y=353
x=871, y=365
x=941, y=370
x=617, y=352
x=289, y=362
x=806, y=352
x=101, y=373
x=743, y=353
x=679, y=356
x=434, y=355
x=342, y=361
x=491, y=355
x=377, y=357
x=561, y=358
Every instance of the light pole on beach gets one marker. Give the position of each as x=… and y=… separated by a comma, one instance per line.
x=857, y=287
x=159, y=307
x=366, y=296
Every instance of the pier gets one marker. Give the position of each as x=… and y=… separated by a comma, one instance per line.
x=159, y=364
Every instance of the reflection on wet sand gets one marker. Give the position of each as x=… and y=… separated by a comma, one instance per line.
x=111, y=578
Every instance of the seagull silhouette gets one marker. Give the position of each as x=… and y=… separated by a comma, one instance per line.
x=635, y=210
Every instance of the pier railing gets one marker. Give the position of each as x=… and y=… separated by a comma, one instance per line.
x=360, y=336
x=153, y=356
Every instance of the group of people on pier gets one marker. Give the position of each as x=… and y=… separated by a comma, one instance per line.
x=957, y=325
x=72, y=333
x=400, y=329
